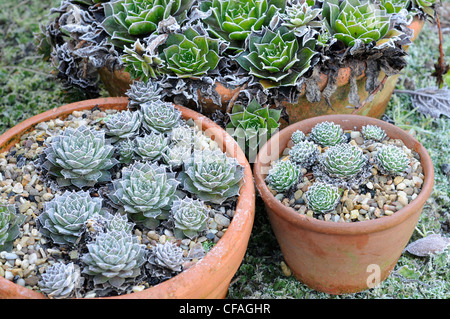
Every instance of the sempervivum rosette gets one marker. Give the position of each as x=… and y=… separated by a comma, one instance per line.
x=322, y=198
x=63, y=217
x=160, y=116
x=212, y=176
x=114, y=258
x=79, y=157
x=189, y=216
x=190, y=54
x=123, y=125
x=60, y=280
x=283, y=175
x=233, y=21
x=165, y=260
x=10, y=221
x=277, y=58
x=146, y=192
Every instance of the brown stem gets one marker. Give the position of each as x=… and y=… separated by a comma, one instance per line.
x=440, y=67
x=364, y=103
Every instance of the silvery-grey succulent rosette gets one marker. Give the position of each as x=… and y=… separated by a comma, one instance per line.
x=119, y=200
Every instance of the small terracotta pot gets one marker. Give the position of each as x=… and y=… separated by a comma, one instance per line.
x=211, y=276
x=304, y=109
x=339, y=258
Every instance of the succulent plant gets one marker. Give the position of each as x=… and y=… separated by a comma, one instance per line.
x=165, y=260
x=277, y=58
x=373, y=132
x=233, y=21
x=328, y=134
x=394, y=6
x=212, y=176
x=343, y=161
x=301, y=16
x=353, y=21
x=253, y=125
x=322, y=198
x=298, y=136
x=392, y=159
x=189, y=216
x=176, y=154
x=152, y=146
x=79, y=157
x=123, y=125
x=60, y=280
x=64, y=216
x=283, y=175
x=141, y=92
x=183, y=134
x=10, y=221
x=159, y=116
x=118, y=222
x=304, y=153
x=125, y=151
x=191, y=54
x=113, y=258
x=127, y=20
x=146, y=192
x=141, y=61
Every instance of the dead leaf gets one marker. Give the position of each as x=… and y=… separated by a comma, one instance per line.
x=430, y=245
x=430, y=101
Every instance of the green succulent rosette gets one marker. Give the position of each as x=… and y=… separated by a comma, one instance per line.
x=355, y=21
x=10, y=221
x=301, y=16
x=127, y=20
x=277, y=58
x=252, y=126
x=189, y=54
x=233, y=21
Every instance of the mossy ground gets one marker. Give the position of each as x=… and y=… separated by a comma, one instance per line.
x=27, y=88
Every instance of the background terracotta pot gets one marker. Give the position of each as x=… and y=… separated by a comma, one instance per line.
x=334, y=257
x=210, y=277
x=118, y=82
x=304, y=109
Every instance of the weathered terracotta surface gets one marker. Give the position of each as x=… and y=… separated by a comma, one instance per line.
x=209, y=278
x=333, y=257
x=116, y=83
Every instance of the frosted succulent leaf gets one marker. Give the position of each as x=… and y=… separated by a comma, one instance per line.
x=141, y=92
x=301, y=16
x=125, y=151
x=123, y=125
x=373, y=132
x=322, y=198
x=392, y=159
x=141, y=62
x=64, y=216
x=176, y=154
x=145, y=191
x=151, y=147
x=343, y=161
x=160, y=116
x=304, y=153
x=212, y=176
x=283, y=175
x=79, y=157
x=165, y=260
x=60, y=280
x=327, y=134
x=425, y=5
x=182, y=134
x=10, y=221
x=189, y=216
x=298, y=136
x=118, y=222
x=113, y=258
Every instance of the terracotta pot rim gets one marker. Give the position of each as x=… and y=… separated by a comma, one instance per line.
x=239, y=229
x=353, y=228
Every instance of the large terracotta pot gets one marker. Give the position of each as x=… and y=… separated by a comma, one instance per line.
x=211, y=276
x=117, y=84
x=334, y=257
